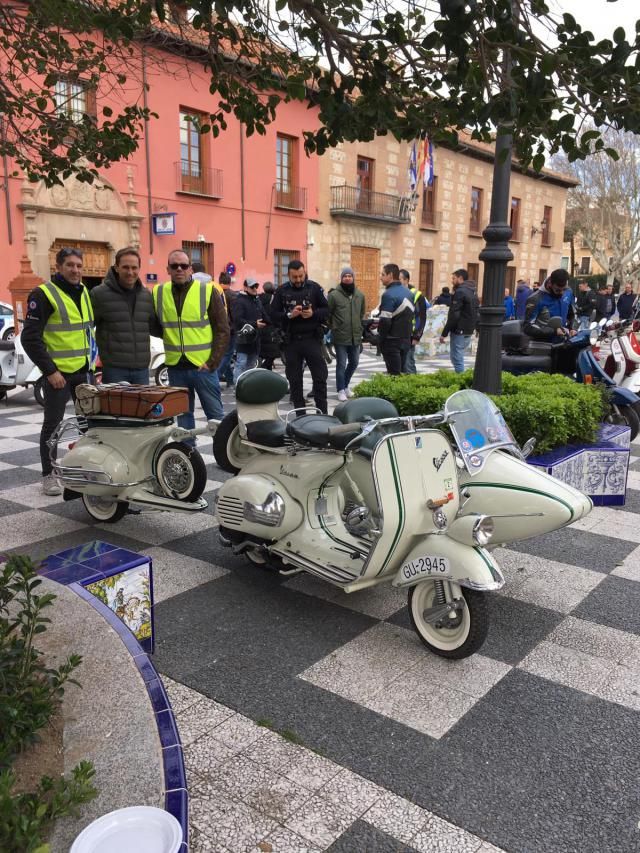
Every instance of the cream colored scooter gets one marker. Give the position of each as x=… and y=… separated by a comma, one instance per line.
x=384, y=499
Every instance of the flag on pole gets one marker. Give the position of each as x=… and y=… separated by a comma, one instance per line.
x=428, y=170
x=413, y=168
x=420, y=163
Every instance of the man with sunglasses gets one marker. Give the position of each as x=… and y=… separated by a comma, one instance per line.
x=57, y=335
x=195, y=331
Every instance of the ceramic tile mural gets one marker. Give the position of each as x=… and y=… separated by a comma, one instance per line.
x=128, y=595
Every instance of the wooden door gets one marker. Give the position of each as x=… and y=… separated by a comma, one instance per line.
x=425, y=281
x=510, y=280
x=96, y=257
x=365, y=263
x=365, y=182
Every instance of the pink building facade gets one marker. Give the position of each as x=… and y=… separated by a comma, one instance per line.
x=233, y=202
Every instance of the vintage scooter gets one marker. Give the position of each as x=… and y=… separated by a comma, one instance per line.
x=368, y=497
x=16, y=368
x=112, y=462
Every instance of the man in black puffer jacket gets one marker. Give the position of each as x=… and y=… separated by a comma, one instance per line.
x=125, y=319
x=248, y=320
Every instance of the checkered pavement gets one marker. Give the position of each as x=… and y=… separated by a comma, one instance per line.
x=313, y=720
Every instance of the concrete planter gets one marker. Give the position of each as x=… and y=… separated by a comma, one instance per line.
x=599, y=470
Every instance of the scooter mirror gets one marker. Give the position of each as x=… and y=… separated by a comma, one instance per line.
x=528, y=447
x=593, y=326
x=593, y=337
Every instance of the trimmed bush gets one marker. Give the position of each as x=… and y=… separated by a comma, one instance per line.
x=551, y=408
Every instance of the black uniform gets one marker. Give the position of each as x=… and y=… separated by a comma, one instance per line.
x=303, y=338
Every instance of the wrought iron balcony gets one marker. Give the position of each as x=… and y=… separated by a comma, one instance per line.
x=431, y=219
x=364, y=204
x=198, y=180
x=290, y=197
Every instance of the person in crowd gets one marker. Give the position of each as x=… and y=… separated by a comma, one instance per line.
x=553, y=300
x=535, y=285
x=462, y=318
x=195, y=331
x=395, y=325
x=605, y=302
x=509, y=305
x=523, y=292
x=225, y=371
x=269, y=334
x=125, y=319
x=420, y=308
x=626, y=301
x=300, y=309
x=444, y=298
x=346, y=313
x=199, y=273
x=247, y=320
x=585, y=305
x=57, y=335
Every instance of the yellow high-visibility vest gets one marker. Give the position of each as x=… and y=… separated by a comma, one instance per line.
x=68, y=331
x=189, y=334
x=416, y=295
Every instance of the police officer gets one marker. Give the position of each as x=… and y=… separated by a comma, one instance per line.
x=300, y=308
x=57, y=336
x=195, y=331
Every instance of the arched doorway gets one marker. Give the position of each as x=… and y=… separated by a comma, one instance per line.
x=96, y=258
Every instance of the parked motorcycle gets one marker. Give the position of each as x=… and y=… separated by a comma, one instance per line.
x=570, y=356
x=368, y=497
x=16, y=368
x=622, y=362
x=113, y=462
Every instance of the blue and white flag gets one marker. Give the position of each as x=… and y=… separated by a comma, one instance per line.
x=413, y=168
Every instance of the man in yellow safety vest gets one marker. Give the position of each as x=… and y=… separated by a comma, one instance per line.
x=195, y=331
x=57, y=335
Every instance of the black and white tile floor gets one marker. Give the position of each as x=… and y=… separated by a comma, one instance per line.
x=313, y=720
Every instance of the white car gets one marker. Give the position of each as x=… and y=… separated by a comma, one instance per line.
x=7, y=326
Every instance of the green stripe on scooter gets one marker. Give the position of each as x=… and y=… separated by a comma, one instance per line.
x=520, y=489
x=401, y=518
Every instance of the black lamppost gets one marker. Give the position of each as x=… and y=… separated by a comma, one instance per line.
x=487, y=375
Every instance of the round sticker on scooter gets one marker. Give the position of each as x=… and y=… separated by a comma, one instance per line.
x=474, y=437
x=157, y=410
x=475, y=461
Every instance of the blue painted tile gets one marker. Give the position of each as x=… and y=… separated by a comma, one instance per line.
x=177, y=804
x=115, y=561
x=74, y=573
x=81, y=553
x=158, y=696
x=51, y=563
x=82, y=592
x=167, y=729
x=174, y=774
x=145, y=667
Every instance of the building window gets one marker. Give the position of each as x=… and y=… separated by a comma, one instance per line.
x=193, y=153
x=75, y=99
x=365, y=183
x=585, y=265
x=201, y=253
x=425, y=280
x=429, y=193
x=547, y=236
x=510, y=279
x=476, y=211
x=288, y=193
x=281, y=258
x=514, y=220
x=542, y=275
x=473, y=271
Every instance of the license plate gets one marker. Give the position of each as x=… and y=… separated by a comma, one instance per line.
x=424, y=567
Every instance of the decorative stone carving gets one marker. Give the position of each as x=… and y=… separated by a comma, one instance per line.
x=59, y=196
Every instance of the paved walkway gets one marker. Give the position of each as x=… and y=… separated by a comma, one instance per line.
x=313, y=720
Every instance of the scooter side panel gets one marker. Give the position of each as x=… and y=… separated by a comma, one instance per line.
x=411, y=471
x=522, y=500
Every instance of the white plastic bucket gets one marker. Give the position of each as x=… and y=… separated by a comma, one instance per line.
x=144, y=829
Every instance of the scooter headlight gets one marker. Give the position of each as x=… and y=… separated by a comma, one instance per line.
x=483, y=530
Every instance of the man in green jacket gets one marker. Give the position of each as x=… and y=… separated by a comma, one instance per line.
x=346, y=312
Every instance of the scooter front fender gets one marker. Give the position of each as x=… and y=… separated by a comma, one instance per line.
x=472, y=567
x=623, y=397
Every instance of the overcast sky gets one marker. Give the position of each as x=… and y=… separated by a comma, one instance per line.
x=601, y=17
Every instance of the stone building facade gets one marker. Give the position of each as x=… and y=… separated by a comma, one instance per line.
x=365, y=216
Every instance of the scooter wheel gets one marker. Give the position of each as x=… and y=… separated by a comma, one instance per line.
x=161, y=375
x=465, y=634
x=181, y=471
x=628, y=416
x=107, y=510
x=38, y=391
x=228, y=449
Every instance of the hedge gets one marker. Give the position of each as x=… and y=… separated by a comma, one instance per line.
x=551, y=408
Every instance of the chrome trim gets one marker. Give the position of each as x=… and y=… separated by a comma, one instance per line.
x=270, y=512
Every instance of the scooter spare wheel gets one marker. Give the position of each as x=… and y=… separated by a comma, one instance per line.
x=181, y=471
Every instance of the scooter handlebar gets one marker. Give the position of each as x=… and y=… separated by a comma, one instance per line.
x=345, y=428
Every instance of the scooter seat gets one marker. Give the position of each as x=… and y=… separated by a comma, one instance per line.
x=268, y=433
x=527, y=363
x=6, y=346
x=313, y=429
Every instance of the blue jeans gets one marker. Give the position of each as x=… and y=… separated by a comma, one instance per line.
x=585, y=322
x=207, y=387
x=457, y=346
x=347, y=358
x=409, y=365
x=134, y=375
x=225, y=373
x=244, y=361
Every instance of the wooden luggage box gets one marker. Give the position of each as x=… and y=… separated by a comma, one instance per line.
x=148, y=402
